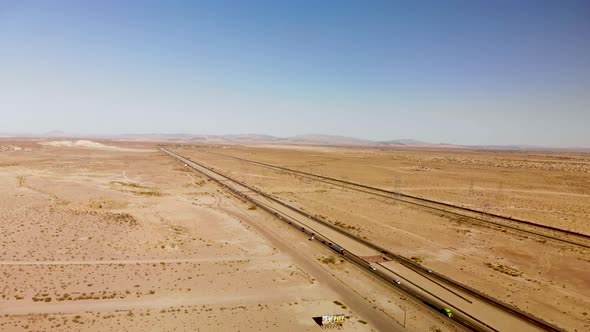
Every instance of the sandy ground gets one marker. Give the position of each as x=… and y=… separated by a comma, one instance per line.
x=105, y=239
x=545, y=278
x=552, y=188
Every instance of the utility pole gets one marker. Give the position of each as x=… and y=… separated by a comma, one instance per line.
x=405, y=313
x=500, y=189
x=397, y=182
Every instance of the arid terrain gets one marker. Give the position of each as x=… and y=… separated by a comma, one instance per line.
x=298, y=166
x=546, y=278
x=117, y=236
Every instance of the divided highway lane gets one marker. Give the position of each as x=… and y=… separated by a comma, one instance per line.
x=470, y=311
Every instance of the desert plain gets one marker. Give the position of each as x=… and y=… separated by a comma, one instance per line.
x=118, y=236
x=546, y=278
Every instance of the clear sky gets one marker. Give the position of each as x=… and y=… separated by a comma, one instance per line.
x=466, y=72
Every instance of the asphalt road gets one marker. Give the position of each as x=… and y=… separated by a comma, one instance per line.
x=469, y=310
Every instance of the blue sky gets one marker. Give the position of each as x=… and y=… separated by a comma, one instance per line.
x=466, y=72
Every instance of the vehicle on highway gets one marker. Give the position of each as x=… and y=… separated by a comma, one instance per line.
x=336, y=248
x=397, y=281
x=447, y=312
x=372, y=268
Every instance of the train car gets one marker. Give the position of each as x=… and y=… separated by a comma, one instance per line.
x=336, y=248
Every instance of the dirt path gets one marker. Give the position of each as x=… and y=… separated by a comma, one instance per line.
x=540, y=192
x=147, y=261
x=165, y=301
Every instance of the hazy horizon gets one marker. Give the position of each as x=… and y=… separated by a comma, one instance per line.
x=499, y=73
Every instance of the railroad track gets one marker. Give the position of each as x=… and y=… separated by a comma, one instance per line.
x=424, y=285
x=464, y=214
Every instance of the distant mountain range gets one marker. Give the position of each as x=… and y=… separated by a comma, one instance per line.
x=310, y=140
x=329, y=140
